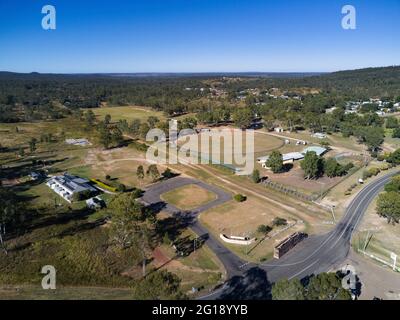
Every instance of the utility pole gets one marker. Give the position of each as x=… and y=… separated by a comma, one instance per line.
x=394, y=258
x=2, y=230
x=194, y=244
x=249, y=245
x=366, y=241
x=143, y=253
x=333, y=214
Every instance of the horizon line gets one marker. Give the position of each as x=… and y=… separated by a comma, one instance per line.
x=195, y=72
x=164, y=72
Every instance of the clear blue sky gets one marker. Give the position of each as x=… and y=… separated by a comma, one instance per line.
x=197, y=36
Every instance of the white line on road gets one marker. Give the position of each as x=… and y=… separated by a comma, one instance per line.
x=300, y=272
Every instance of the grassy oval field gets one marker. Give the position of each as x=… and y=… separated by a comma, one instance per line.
x=188, y=197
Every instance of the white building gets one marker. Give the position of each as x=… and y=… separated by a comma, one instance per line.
x=293, y=156
x=78, y=142
x=350, y=111
x=318, y=150
x=330, y=110
x=67, y=185
x=286, y=157
x=319, y=135
x=95, y=203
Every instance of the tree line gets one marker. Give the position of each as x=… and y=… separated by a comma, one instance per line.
x=313, y=166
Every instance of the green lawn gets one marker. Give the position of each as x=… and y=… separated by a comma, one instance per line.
x=393, y=142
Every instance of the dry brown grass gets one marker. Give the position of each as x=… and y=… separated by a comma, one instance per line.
x=385, y=238
x=119, y=163
x=215, y=148
x=295, y=178
x=242, y=219
x=188, y=197
x=127, y=113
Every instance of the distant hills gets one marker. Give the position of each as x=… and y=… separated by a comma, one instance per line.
x=382, y=81
x=32, y=75
x=222, y=74
x=385, y=72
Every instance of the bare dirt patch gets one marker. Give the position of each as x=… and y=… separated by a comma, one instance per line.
x=226, y=150
x=243, y=219
x=295, y=178
x=120, y=163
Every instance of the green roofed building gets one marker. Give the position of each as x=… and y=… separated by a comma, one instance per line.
x=318, y=150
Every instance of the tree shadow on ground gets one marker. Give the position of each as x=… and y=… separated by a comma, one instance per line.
x=358, y=284
x=31, y=220
x=252, y=285
x=170, y=176
x=186, y=245
x=25, y=186
x=82, y=227
x=24, y=169
x=157, y=207
x=174, y=225
x=59, y=219
x=19, y=247
x=287, y=167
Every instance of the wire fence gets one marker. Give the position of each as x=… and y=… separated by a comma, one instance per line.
x=290, y=191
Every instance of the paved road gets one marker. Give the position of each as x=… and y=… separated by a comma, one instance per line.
x=153, y=194
x=322, y=252
x=319, y=253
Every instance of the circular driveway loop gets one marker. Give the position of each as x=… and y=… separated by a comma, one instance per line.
x=154, y=192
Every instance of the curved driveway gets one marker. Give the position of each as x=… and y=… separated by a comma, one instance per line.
x=153, y=194
x=316, y=254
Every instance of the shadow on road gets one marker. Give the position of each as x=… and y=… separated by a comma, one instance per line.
x=252, y=285
x=157, y=207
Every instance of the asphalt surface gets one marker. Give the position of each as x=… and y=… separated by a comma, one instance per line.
x=316, y=254
x=153, y=194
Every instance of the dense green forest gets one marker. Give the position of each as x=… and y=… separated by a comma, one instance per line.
x=34, y=96
x=28, y=97
x=355, y=84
